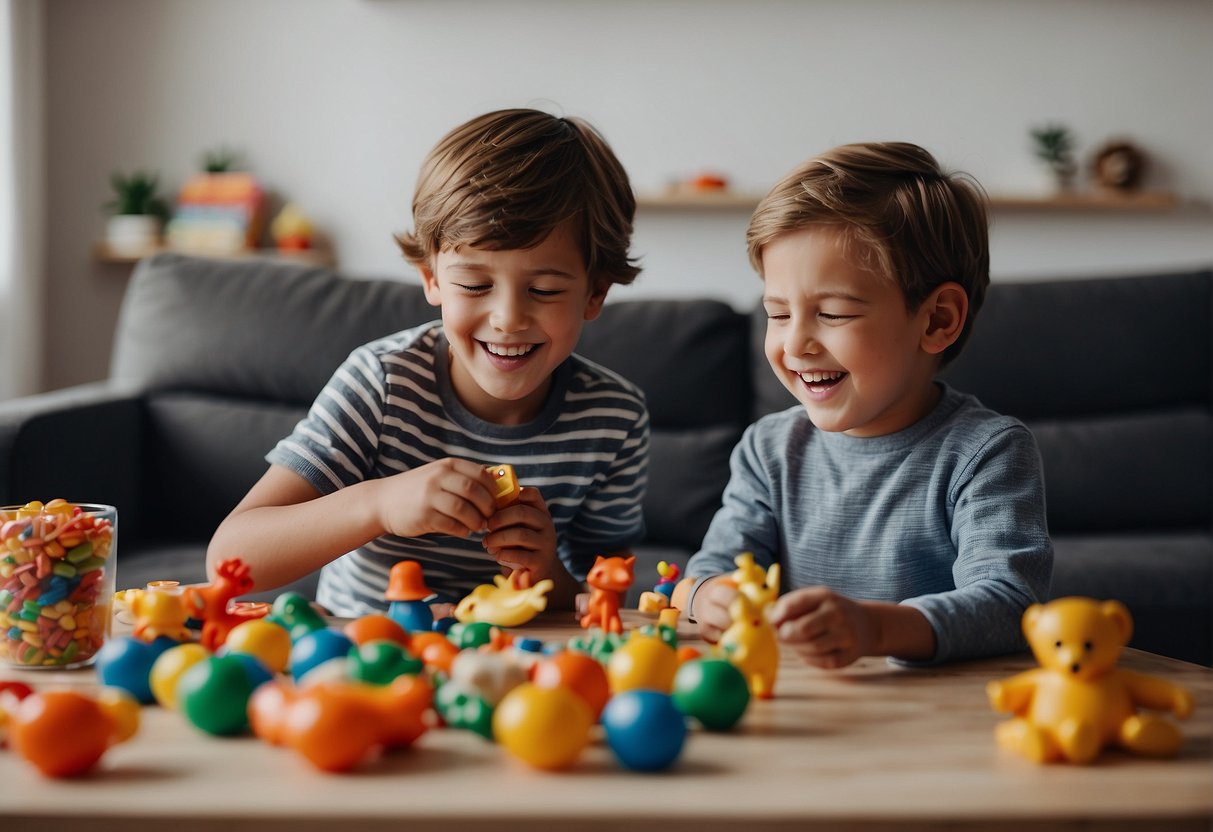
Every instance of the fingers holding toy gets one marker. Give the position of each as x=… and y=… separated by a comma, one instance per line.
x=826, y=629
x=522, y=535
x=710, y=607
x=448, y=496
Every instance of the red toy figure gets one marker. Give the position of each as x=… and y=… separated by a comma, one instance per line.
x=210, y=602
x=608, y=580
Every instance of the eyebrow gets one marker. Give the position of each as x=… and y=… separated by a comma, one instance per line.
x=820, y=296
x=471, y=266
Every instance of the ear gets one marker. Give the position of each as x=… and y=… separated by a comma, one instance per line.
x=598, y=293
x=1030, y=616
x=1122, y=621
x=432, y=295
x=945, y=311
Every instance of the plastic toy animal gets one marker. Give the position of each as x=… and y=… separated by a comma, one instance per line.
x=751, y=645
x=507, y=602
x=609, y=578
x=760, y=585
x=158, y=612
x=210, y=601
x=1077, y=702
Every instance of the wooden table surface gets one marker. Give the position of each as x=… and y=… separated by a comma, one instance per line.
x=874, y=746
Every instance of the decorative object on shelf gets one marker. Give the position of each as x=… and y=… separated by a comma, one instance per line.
x=1119, y=165
x=220, y=211
x=137, y=213
x=291, y=229
x=1053, y=144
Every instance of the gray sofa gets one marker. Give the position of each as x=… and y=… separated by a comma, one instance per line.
x=215, y=361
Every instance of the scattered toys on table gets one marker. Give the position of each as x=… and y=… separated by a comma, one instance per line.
x=1078, y=702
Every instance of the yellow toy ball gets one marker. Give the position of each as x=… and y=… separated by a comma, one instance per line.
x=123, y=709
x=265, y=641
x=643, y=663
x=168, y=668
x=547, y=728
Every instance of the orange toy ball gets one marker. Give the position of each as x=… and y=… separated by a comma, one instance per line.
x=61, y=732
x=334, y=726
x=376, y=627
x=434, y=649
x=580, y=673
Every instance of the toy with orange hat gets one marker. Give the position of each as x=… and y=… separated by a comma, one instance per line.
x=406, y=590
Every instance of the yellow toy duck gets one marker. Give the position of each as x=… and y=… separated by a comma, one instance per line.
x=508, y=602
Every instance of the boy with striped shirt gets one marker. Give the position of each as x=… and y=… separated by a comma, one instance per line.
x=522, y=224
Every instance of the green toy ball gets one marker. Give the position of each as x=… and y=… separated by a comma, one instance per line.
x=213, y=694
x=712, y=691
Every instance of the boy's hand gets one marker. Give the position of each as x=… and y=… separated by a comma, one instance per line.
x=711, y=607
x=827, y=629
x=522, y=536
x=448, y=496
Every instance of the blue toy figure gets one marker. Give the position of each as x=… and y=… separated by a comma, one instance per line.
x=407, y=591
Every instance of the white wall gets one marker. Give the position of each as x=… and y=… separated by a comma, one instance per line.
x=336, y=101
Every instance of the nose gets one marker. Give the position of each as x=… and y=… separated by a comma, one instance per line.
x=800, y=339
x=509, y=313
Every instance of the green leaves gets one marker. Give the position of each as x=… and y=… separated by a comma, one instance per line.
x=136, y=194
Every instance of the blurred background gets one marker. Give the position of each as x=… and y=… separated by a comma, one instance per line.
x=330, y=105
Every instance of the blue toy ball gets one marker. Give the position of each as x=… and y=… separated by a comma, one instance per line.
x=315, y=648
x=126, y=662
x=644, y=729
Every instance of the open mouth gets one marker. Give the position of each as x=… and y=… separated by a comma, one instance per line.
x=819, y=381
x=508, y=350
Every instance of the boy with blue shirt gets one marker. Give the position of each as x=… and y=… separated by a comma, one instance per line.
x=522, y=222
x=909, y=519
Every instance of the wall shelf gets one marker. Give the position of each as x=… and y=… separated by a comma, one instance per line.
x=313, y=257
x=1082, y=201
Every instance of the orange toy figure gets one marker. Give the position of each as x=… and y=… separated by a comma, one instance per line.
x=210, y=602
x=1077, y=701
x=608, y=579
x=337, y=725
x=158, y=612
x=507, y=484
x=63, y=733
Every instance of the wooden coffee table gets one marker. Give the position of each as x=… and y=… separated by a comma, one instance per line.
x=871, y=747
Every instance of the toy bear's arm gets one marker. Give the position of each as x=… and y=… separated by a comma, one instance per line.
x=1159, y=694
x=1014, y=694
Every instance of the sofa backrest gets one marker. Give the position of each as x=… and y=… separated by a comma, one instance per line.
x=1113, y=375
x=233, y=353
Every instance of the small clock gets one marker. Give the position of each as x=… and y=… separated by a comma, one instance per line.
x=1119, y=165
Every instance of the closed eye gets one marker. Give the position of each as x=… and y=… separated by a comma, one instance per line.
x=475, y=288
x=546, y=293
x=828, y=318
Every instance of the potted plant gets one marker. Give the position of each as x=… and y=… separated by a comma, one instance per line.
x=1053, y=144
x=137, y=213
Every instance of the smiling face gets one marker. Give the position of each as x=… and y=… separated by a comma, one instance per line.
x=511, y=317
x=841, y=339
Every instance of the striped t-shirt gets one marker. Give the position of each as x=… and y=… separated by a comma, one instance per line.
x=391, y=408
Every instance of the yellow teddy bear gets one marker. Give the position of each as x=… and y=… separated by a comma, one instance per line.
x=1077, y=702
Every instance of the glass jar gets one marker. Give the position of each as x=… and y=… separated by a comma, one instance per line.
x=57, y=564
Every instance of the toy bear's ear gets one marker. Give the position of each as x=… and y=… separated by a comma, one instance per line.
x=1030, y=616
x=1118, y=614
x=630, y=561
x=599, y=560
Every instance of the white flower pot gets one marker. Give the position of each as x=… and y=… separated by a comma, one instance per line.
x=132, y=234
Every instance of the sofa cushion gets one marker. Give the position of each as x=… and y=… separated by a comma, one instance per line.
x=1166, y=581
x=688, y=471
x=690, y=357
x=258, y=329
x=203, y=454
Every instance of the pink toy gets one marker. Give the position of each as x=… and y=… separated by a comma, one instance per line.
x=609, y=579
x=210, y=602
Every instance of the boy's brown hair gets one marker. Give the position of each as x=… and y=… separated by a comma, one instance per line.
x=901, y=215
x=505, y=179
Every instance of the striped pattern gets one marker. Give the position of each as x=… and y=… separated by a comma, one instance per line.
x=391, y=408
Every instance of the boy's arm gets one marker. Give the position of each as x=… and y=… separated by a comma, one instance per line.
x=1004, y=556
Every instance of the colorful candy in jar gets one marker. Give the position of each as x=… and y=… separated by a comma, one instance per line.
x=56, y=582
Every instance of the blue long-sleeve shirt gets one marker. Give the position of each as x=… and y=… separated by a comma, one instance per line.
x=947, y=516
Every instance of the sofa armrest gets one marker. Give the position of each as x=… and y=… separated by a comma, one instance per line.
x=82, y=443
